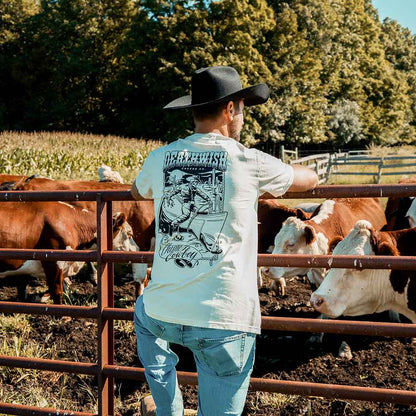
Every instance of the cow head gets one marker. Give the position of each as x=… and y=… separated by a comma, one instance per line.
x=350, y=291
x=123, y=234
x=123, y=241
x=295, y=237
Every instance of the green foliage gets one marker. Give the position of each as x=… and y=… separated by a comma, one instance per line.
x=173, y=39
x=109, y=66
x=55, y=73
x=329, y=52
x=12, y=15
x=344, y=122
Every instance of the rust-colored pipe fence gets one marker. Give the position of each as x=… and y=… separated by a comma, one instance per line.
x=105, y=313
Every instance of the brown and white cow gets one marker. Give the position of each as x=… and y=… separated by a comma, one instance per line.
x=357, y=292
x=335, y=217
x=8, y=181
x=50, y=225
x=411, y=213
x=140, y=214
x=271, y=215
x=397, y=209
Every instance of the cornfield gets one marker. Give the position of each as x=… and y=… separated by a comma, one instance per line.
x=66, y=155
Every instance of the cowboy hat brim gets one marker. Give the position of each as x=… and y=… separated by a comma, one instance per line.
x=254, y=95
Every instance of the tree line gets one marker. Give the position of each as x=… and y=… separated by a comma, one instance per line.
x=338, y=76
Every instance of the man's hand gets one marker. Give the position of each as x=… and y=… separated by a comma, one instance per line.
x=135, y=193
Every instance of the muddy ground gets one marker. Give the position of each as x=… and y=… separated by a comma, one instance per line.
x=376, y=362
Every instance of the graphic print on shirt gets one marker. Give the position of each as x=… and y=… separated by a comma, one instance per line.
x=192, y=212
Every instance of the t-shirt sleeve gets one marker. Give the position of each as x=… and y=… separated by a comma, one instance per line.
x=275, y=177
x=145, y=179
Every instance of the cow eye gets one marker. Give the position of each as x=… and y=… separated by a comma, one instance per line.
x=290, y=245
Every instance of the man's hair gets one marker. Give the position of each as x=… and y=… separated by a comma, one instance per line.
x=211, y=111
x=207, y=111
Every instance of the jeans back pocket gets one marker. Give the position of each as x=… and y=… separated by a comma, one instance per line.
x=225, y=356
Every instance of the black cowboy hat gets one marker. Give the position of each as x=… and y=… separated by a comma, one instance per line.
x=218, y=84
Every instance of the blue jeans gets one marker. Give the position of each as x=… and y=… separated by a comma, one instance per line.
x=224, y=361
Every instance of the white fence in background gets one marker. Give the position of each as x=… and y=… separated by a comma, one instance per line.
x=328, y=164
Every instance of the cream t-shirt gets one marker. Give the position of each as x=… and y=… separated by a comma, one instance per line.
x=205, y=189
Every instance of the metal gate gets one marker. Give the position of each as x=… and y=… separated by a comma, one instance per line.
x=105, y=313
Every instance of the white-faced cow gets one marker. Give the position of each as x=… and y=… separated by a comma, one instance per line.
x=140, y=214
x=357, y=292
x=332, y=218
x=50, y=225
x=271, y=215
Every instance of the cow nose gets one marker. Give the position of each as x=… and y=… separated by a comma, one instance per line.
x=317, y=302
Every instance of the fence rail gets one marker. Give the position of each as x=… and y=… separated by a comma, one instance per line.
x=106, y=313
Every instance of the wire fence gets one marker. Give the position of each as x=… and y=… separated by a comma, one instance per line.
x=354, y=163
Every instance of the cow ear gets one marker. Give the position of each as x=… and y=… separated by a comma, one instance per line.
x=387, y=249
x=300, y=213
x=382, y=247
x=19, y=185
x=119, y=218
x=309, y=235
x=333, y=243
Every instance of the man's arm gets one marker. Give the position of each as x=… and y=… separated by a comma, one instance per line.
x=135, y=193
x=304, y=179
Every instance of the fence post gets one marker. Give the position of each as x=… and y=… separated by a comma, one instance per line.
x=105, y=299
x=328, y=168
x=380, y=167
x=282, y=153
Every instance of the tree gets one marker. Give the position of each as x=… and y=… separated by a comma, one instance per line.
x=55, y=71
x=168, y=41
x=337, y=74
x=400, y=50
x=344, y=123
x=12, y=14
x=328, y=52
x=294, y=58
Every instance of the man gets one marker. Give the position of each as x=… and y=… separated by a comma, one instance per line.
x=203, y=291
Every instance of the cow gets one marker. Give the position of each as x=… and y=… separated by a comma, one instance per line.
x=356, y=292
x=270, y=216
x=50, y=225
x=106, y=174
x=411, y=214
x=397, y=208
x=8, y=181
x=140, y=214
x=334, y=217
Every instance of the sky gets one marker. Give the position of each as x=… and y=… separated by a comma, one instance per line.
x=404, y=11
